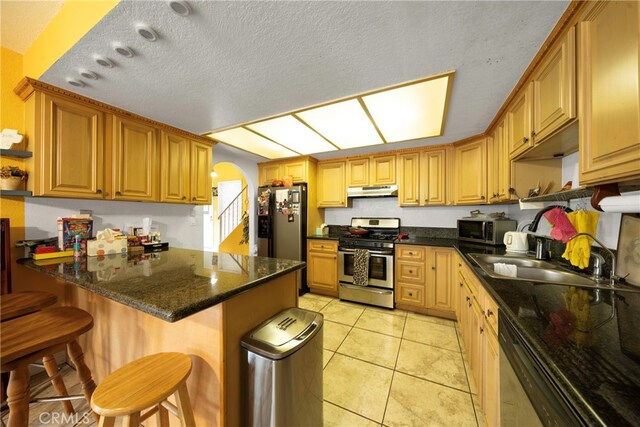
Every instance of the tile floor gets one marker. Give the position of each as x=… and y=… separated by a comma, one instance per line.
x=381, y=367
x=392, y=368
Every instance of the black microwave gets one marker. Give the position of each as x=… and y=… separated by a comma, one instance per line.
x=485, y=230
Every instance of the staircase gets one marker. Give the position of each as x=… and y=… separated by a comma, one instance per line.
x=231, y=216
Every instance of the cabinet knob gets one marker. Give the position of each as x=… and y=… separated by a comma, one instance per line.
x=525, y=140
x=482, y=197
x=481, y=329
x=411, y=271
x=193, y=199
x=459, y=265
x=98, y=191
x=489, y=313
x=410, y=294
x=533, y=134
x=469, y=304
x=460, y=284
x=184, y=197
x=118, y=193
x=468, y=299
x=433, y=268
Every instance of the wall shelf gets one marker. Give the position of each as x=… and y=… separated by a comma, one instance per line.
x=16, y=153
x=15, y=193
x=561, y=196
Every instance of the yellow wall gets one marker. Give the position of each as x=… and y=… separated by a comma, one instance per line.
x=75, y=19
x=228, y=172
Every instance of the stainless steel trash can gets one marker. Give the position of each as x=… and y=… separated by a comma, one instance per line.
x=282, y=364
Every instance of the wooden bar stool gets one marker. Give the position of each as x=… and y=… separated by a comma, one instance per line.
x=142, y=384
x=28, y=338
x=22, y=303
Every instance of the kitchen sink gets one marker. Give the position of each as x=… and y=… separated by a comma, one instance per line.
x=532, y=270
x=520, y=261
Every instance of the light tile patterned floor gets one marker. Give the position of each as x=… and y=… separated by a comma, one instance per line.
x=392, y=368
x=381, y=367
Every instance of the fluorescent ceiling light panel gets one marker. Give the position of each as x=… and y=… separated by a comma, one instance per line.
x=344, y=123
x=248, y=141
x=410, y=112
x=292, y=133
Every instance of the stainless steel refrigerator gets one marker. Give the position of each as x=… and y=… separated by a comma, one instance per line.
x=282, y=225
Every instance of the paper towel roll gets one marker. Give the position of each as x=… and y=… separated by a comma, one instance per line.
x=628, y=203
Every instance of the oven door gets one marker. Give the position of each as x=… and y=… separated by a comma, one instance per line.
x=380, y=268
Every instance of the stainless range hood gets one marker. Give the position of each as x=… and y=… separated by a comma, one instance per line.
x=376, y=191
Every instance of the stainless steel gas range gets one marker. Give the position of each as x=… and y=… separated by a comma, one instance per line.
x=382, y=232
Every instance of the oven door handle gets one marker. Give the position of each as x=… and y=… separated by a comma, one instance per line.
x=373, y=252
x=368, y=288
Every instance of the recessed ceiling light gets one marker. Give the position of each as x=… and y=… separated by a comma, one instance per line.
x=182, y=8
x=249, y=141
x=345, y=124
x=87, y=74
x=74, y=82
x=292, y=133
x=105, y=62
x=123, y=50
x=147, y=32
x=412, y=111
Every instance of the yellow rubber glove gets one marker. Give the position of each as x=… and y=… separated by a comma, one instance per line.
x=578, y=250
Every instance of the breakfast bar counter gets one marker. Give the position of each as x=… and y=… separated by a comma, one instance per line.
x=195, y=302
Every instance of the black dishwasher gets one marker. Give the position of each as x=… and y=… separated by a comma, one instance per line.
x=528, y=395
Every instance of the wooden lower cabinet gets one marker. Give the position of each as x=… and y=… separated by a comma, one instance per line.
x=322, y=266
x=423, y=280
x=478, y=320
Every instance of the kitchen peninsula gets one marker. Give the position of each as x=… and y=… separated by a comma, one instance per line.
x=198, y=303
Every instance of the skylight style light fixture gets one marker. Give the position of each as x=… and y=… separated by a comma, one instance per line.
x=410, y=112
x=402, y=112
x=249, y=141
x=292, y=133
x=345, y=124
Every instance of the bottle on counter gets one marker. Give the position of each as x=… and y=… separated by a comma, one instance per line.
x=77, y=247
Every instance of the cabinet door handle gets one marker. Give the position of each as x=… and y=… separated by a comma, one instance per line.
x=184, y=197
x=489, y=313
x=411, y=271
x=481, y=329
x=98, y=191
x=410, y=294
x=525, y=140
x=460, y=284
x=433, y=268
x=193, y=199
x=482, y=197
x=533, y=134
x=118, y=193
x=468, y=299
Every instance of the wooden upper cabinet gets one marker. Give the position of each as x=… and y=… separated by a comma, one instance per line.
x=134, y=153
x=554, y=88
x=201, y=158
x=609, y=122
x=499, y=170
x=332, y=191
x=433, y=178
x=296, y=169
x=471, y=172
x=69, y=147
x=383, y=170
x=519, y=123
x=409, y=179
x=269, y=172
x=174, y=168
x=358, y=172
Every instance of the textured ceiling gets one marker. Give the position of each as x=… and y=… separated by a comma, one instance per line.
x=232, y=62
x=23, y=21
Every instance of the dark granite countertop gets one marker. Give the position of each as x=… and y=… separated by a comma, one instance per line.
x=327, y=237
x=170, y=285
x=595, y=360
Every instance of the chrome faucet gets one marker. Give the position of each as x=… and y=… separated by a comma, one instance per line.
x=599, y=259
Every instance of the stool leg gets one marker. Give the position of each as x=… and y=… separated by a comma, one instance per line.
x=107, y=422
x=18, y=397
x=84, y=374
x=51, y=366
x=185, y=412
x=132, y=420
x=162, y=416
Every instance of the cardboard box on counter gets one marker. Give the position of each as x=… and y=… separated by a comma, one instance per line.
x=106, y=247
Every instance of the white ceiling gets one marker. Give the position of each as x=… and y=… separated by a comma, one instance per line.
x=232, y=62
x=23, y=21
